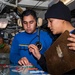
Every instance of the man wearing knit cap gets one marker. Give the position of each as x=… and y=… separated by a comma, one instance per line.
x=59, y=20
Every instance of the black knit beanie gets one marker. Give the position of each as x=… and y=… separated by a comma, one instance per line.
x=59, y=11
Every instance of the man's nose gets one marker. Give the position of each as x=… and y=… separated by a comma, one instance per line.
x=49, y=25
x=28, y=25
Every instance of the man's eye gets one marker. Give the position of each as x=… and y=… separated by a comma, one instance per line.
x=50, y=21
x=31, y=22
x=24, y=22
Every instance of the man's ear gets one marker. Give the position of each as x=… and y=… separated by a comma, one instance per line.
x=39, y=22
x=19, y=22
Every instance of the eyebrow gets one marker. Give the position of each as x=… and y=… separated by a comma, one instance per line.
x=29, y=21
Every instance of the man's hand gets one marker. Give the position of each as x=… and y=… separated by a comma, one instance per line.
x=24, y=61
x=34, y=50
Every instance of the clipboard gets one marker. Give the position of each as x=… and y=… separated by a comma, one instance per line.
x=59, y=58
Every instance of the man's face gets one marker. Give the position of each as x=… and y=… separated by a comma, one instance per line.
x=29, y=24
x=55, y=25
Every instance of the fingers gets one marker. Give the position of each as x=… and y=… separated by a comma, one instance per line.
x=24, y=61
x=71, y=45
x=72, y=48
x=34, y=50
x=32, y=46
x=71, y=38
x=72, y=35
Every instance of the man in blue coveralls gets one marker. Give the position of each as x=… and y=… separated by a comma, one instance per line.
x=19, y=53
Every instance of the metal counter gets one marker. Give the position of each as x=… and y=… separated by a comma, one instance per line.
x=7, y=69
x=19, y=70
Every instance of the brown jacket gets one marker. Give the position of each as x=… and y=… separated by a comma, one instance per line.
x=5, y=49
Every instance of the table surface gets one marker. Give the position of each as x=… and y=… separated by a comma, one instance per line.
x=7, y=69
x=19, y=70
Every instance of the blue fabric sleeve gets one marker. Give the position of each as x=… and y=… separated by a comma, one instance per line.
x=14, y=51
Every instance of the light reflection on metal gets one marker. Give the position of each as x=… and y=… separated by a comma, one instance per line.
x=67, y=1
x=2, y=4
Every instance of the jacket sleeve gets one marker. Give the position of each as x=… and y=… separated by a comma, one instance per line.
x=14, y=51
x=42, y=63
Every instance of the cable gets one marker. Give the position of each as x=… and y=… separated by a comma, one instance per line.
x=36, y=4
x=40, y=4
